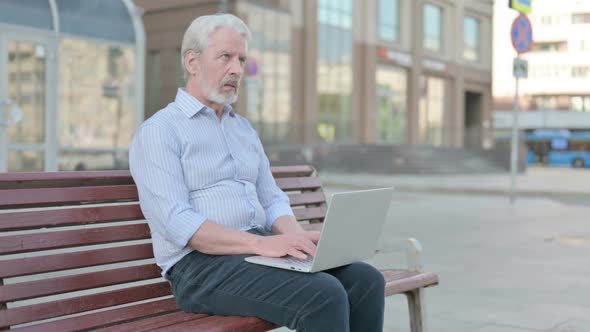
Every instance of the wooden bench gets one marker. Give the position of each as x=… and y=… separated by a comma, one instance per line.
x=75, y=255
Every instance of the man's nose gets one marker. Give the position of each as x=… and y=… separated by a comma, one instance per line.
x=236, y=67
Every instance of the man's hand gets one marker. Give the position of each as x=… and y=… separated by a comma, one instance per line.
x=298, y=245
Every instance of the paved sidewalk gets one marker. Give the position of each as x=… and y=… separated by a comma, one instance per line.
x=537, y=181
x=503, y=267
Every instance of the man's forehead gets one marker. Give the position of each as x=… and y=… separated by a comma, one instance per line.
x=226, y=36
x=218, y=45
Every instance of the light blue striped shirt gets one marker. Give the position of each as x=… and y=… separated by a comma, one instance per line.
x=190, y=167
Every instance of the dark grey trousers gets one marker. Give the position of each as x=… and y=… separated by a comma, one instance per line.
x=348, y=298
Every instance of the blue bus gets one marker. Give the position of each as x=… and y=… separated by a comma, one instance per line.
x=558, y=148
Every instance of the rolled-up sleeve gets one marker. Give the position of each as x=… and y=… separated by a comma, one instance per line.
x=155, y=164
x=274, y=201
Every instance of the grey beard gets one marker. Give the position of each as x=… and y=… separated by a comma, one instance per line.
x=222, y=99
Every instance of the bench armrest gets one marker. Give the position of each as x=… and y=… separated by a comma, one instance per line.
x=414, y=255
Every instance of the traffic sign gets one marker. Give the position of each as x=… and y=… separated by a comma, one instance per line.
x=520, y=68
x=523, y=6
x=522, y=34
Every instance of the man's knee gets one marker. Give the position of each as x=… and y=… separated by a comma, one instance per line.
x=364, y=280
x=329, y=289
x=368, y=273
x=327, y=304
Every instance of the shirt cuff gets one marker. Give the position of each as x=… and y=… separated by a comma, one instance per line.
x=184, y=226
x=275, y=211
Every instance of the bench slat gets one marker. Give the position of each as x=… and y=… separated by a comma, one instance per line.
x=157, y=322
x=299, y=183
x=20, y=198
x=310, y=213
x=22, y=180
x=109, y=317
x=35, y=312
x=307, y=198
x=291, y=171
x=16, y=244
x=91, y=178
x=400, y=281
x=16, y=221
x=221, y=324
x=72, y=283
x=50, y=263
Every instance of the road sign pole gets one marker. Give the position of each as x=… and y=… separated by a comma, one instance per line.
x=522, y=39
x=514, y=144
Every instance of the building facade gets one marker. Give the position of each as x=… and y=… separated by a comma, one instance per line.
x=556, y=93
x=346, y=71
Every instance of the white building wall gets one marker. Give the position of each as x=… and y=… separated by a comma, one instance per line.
x=550, y=73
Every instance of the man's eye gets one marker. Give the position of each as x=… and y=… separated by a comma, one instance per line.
x=225, y=56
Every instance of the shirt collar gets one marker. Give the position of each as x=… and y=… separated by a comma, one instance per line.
x=190, y=106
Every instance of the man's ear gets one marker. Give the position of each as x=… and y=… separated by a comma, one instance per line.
x=191, y=62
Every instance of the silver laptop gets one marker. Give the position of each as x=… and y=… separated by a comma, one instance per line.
x=352, y=226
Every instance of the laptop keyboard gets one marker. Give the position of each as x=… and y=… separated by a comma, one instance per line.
x=299, y=262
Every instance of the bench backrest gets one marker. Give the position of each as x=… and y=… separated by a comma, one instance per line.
x=75, y=242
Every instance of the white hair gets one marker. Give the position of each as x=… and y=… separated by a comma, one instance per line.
x=196, y=36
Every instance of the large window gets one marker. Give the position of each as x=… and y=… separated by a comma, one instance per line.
x=581, y=18
x=155, y=82
x=27, y=89
x=388, y=20
x=580, y=103
x=432, y=25
x=96, y=104
x=471, y=38
x=581, y=71
x=335, y=70
x=391, y=105
x=554, y=46
x=268, y=73
x=431, y=110
x=545, y=102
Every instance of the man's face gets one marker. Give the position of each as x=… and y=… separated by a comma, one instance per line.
x=221, y=66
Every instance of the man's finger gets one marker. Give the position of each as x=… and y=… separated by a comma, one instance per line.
x=296, y=253
x=307, y=246
x=314, y=236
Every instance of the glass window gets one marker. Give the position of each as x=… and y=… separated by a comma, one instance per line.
x=557, y=46
x=96, y=104
x=431, y=110
x=391, y=105
x=335, y=70
x=581, y=18
x=580, y=71
x=31, y=13
x=432, y=20
x=26, y=161
x=26, y=87
x=546, y=102
x=580, y=103
x=388, y=20
x=155, y=86
x=181, y=81
x=267, y=81
x=101, y=19
x=471, y=38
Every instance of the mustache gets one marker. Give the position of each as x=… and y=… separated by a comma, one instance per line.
x=231, y=80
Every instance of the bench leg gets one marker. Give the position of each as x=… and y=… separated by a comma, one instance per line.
x=415, y=297
x=416, y=310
